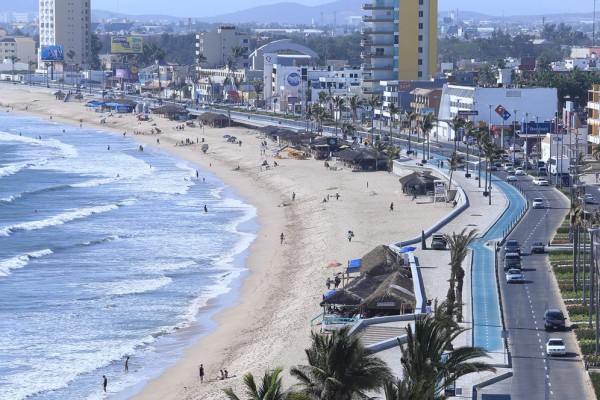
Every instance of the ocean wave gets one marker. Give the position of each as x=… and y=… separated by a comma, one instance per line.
x=14, y=197
x=66, y=150
x=20, y=261
x=12, y=169
x=57, y=219
x=99, y=241
x=130, y=286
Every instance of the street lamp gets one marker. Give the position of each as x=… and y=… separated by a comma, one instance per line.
x=527, y=139
x=515, y=136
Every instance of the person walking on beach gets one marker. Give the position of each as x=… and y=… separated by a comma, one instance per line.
x=205, y=209
x=293, y=196
x=127, y=364
x=226, y=373
x=282, y=237
x=197, y=174
x=392, y=206
x=104, y=382
x=201, y=372
x=328, y=283
x=350, y=236
x=336, y=282
x=337, y=196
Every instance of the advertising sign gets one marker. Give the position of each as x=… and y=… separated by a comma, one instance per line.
x=501, y=111
x=293, y=79
x=537, y=128
x=53, y=53
x=126, y=44
x=467, y=112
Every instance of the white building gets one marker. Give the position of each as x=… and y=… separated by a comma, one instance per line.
x=216, y=46
x=22, y=47
x=480, y=104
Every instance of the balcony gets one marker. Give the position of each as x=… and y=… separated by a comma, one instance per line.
x=366, y=42
x=371, y=18
x=371, y=67
x=378, y=5
x=370, y=31
x=370, y=54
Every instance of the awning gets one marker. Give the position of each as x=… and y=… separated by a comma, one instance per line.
x=329, y=293
x=353, y=266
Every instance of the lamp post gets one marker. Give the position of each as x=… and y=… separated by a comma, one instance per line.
x=539, y=142
x=515, y=137
x=593, y=285
x=527, y=139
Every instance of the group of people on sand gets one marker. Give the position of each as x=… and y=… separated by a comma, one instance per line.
x=336, y=282
x=179, y=127
x=186, y=142
x=223, y=373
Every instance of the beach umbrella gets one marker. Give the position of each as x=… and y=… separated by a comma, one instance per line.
x=334, y=264
x=407, y=249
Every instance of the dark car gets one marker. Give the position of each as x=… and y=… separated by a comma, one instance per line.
x=537, y=247
x=512, y=246
x=554, y=320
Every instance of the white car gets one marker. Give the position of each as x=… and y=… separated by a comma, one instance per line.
x=538, y=202
x=519, y=171
x=511, y=178
x=508, y=166
x=515, y=147
x=540, y=182
x=514, y=275
x=556, y=347
x=589, y=199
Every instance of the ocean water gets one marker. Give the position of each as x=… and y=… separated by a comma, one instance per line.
x=106, y=254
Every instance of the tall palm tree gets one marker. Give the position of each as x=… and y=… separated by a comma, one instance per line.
x=322, y=97
x=453, y=164
x=340, y=368
x=270, y=388
x=30, y=64
x=489, y=152
x=470, y=131
x=456, y=123
x=425, y=360
x=338, y=105
x=13, y=60
x=70, y=56
x=411, y=117
x=236, y=52
x=393, y=109
x=373, y=103
x=158, y=56
x=459, y=248
x=379, y=147
x=355, y=103
x=575, y=219
x=427, y=123
x=201, y=59
x=348, y=129
x=258, y=85
x=404, y=389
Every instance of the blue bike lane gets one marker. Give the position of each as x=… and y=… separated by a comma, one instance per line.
x=487, y=320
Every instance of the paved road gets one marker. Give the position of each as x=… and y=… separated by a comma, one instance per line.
x=537, y=376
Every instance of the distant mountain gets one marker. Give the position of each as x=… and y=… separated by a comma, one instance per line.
x=294, y=13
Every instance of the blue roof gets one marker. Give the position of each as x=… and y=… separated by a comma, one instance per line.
x=329, y=293
x=353, y=266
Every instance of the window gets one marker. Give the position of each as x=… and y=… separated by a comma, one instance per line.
x=420, y=14
x=420, y=61
x=420, y=25
x=420, y=38
x=420, y=74
x=420, y=2
x=420, y=50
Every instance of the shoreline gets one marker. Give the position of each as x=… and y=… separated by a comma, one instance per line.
x=267, y=325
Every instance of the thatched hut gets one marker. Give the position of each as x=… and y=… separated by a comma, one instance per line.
x=418, y=183
x=213, y=119
x=171, y=111
x=393, y=294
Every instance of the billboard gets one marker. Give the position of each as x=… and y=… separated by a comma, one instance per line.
x=126, y=44
x=53, y=53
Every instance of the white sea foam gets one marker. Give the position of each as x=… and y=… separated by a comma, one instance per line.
x=57, y=219
x=130, y=286
x=12, y=169
x=21, y=261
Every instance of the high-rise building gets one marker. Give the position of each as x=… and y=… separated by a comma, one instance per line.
x=217, y=46
x=400, y=43
x=67, y=23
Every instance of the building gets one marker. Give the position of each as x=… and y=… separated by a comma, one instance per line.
x=23, y=47
x=426, y=101
x=67, y=23
x=217, y=46
x=400, y=43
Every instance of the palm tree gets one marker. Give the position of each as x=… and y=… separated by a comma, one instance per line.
x=30, y=64
x=13, y=60
x=392, y=153
x=270, y=388
x=158, y=56
x=258, y=85
x=393, y=110
x=201, y=59
x=404, y=389
x=427, y=123
x=379, y=147
x=456, y=123
x=373, y=103
x=426, y=362
x=453, y=164
x=348, y=129
x=340, y=368
x=470, y=130
x=411, y=117
x=338, y=105
x=459, y=248
x=70, y=56
x=355, y=103
x=322, y=97
x=575, y=218
x=237, y=52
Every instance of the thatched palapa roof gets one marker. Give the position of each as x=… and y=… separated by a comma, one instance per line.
x=379, y=261
x=394, y=289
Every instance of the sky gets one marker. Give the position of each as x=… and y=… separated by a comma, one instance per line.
x=207, y=8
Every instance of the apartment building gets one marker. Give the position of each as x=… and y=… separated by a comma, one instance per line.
x=67, y=23
x=22, y=47
x=217, y=46
x=400, y=43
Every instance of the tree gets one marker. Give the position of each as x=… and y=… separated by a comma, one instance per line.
x=348, y=129
x=200, y=59
x=13, y=60
x=427, y=123
x=456, y=123
x=453, y=163
x=338, y=105
x=379, y=148
x=237, y=52
x=355, y=103
x=258, y=85
x=340, y=368
x=404, y=389
x=392, y=153
x=575, y=219
x=70, y=56
x=426, y=362
x=270, y=388
x=393, y=110
x=459, y=248
x=373, y=102
x=411, y=117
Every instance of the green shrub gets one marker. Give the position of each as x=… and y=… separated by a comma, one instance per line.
x=585, y=334
x=570, y=294
x=577, y=309
x=563, y=229
x=563, y=269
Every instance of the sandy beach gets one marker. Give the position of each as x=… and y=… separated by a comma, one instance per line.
x=269, y=326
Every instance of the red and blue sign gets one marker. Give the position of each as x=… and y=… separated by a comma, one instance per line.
x=503, y=112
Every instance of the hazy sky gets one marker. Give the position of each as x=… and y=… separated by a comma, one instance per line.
x=205, y=8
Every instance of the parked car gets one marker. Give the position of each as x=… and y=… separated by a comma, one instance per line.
x=514, y=275
x=554, y=319
x=519, y=171
x=537, y=247
x=555, y=347
x=540, y=182
x=512, y=246
x=538, y=202
x=438, y=242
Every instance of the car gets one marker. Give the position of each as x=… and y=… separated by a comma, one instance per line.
x=540, y=182
x=511, y=178
x=537, y=247
x=438, y=242
x=515, y=147
x=555, y=347
x=492, y=168
x=508, y=166
x=512, y=246
x=589, y=199
x=512, y=261
x=514, y=275
x=554, y=319
x=542, y=171
x=510, y=171
x=538, y=202
x=519, y=171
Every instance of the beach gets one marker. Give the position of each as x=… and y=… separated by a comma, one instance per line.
x=269, y=325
